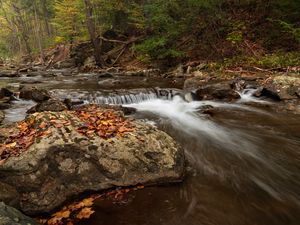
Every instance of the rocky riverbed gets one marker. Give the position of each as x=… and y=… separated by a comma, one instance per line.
x=65, y=149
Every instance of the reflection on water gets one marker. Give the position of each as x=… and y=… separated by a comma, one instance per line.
x=244, y=168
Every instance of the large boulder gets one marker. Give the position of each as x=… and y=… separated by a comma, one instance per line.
x=87, y=150
x=287, y=87
x=11, y=216
x=217, y=91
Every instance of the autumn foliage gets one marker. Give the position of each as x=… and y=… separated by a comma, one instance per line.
x=19, y=142
x=83, y=209
x=106, y=124
x=91, y=120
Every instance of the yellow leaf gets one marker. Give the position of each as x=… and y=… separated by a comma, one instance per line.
x=11, y=145
x=88, y=202
x=62, y=214
x=85, y=213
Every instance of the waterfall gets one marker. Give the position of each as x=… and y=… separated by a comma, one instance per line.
x=132, y=96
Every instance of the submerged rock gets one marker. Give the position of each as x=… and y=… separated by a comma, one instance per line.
x=11, y=216
x=63, y=162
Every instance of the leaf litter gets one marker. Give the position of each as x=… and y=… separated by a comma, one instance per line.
x=104, y=123
x=74, y=212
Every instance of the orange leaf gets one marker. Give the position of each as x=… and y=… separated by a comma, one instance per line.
x=43, y=125
x=85, y=213
x=62, y=214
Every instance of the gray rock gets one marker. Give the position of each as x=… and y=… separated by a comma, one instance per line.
x=11, y=216
x=33, y=93
x=4, y=92
x=194, y=82
x=9, y=195
x=5, y=103
x=109, y=82
x=2, y=116
x=287, y=87
x=9, y=74
x=105, y=75
x=218, y=91
x=51, y=105
x=267, y=93
x=66, y=163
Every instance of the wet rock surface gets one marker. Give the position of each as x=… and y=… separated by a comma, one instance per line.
x=52, y=105
x=33, y=93
x=4, y=92
x=2, y=116
x=67, y=163
x=219, y=91
x=11, y=216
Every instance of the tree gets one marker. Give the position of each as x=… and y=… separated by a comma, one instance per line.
x=68, y=20
x=91, y=26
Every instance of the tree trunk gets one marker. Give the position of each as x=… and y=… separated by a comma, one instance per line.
x=20, y=23
x=46, y=17
x=38, y=35
x=96, y=42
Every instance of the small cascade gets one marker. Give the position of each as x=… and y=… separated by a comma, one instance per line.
x=122, y=99
x=248, y=95
x=134, y=96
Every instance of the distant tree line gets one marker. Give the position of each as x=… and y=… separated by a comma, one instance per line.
x=168, y=29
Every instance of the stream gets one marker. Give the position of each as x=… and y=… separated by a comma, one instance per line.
x=243, y=159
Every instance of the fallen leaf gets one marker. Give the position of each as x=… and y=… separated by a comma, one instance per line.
x=63, y=214
x=85, y=213
x=11, y=145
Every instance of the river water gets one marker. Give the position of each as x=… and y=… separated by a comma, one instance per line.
x=243, y=166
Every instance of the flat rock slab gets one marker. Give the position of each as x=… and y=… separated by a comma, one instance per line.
x=72, y=153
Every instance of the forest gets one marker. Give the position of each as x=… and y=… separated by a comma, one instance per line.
x=166, y=31
x=149, y=112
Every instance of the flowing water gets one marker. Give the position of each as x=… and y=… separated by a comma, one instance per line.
x=244, y=167
x=243, y=161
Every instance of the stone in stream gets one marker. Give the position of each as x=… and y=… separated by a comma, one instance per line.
x=4, y=92
x=288, y=87
x=2, y=116
x=5, y=103
x=33, y=93
x=9, y=74
x=67, y=163
x=267, y=93
x=217, y=91
x=52, y=105
x=11, y=216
